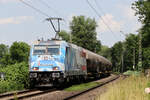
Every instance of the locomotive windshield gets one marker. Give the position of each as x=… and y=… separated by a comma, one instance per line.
x=53, y=50
x=44, y=49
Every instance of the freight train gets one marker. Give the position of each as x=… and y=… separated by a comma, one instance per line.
x=54, y=62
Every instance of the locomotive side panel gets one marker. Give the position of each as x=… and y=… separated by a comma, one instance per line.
x=76, y=62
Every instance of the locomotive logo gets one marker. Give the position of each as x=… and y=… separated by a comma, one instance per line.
x=45, y=58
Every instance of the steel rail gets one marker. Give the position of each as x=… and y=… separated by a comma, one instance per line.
x=85, y=91
x=15, y=92
x=24, y=94
x=35, y=94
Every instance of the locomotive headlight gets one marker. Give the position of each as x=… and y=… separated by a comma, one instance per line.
x=35, y=68
x=55, y=68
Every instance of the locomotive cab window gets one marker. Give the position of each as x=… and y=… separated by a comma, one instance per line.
x=39, y=50
x=53, y=50
x=44, y=49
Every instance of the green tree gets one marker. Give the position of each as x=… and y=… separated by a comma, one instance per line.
x=142, y=9
x=19, y=51
x=6, y=60
x=3, y=50
x=105, y=52
x=116, y=52
x=83, y=32
x=3, y=54
x=97, y=46
x=146, y=58
x=64, y=35
x=131, y=51
x=128, y=51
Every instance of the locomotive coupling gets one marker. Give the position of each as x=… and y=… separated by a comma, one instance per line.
x=55, y=75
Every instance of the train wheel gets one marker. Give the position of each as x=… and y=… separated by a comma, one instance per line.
x=67, y=82
x=98, y=76
x=84, y=79
x=32, y=83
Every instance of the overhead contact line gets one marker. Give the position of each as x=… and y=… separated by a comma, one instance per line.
x=48, y=6
x=100, y=17
x=38, y=10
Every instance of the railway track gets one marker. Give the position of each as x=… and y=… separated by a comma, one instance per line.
x=85, y=91
x=36, y=92
x=24, y=94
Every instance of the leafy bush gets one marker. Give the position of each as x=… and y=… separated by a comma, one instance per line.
x=129, y=72
x=4, y=86
x=16, y=77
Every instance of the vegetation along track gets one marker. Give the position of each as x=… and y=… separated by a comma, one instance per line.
x=85, y=91
x=24, y=94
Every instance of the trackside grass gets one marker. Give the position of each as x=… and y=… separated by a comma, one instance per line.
x=82, y=86
x=131, y=88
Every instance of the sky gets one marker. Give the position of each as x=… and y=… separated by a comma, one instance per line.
x=18, y=22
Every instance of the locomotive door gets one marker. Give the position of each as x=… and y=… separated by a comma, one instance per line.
x=67, y=59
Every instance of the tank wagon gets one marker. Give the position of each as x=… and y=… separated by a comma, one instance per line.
x=54, y=62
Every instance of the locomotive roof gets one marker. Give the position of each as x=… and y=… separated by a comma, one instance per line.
x=92, y=55
x=48, y=42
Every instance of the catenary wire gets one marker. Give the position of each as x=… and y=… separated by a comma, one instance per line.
x=39, y=11
x=100, y=17
x=100, y=8
x=48, y=6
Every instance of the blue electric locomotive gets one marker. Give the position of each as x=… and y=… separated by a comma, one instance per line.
x=53, y=62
